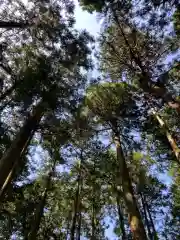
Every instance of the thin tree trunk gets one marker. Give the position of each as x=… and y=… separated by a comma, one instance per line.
x=146, y=217
x=93, y=233
x=12, y=24
x=39, y=211
x=68, y=225
x=121, y=218
x=170, y=138
x=76, y=205
x=135, y=221
x=155, y=236
x=79, y=222
x=12, y=155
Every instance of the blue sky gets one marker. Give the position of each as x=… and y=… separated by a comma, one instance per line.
x=87, y=21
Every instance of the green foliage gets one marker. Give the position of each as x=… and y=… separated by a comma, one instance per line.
x=176, y=19
x=72, y=146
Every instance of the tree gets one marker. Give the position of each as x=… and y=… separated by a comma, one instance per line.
x=50, y=75
x=108, y=102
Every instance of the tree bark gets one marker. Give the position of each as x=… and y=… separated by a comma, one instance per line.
x=170, y=138
x=12, y=156
x=135, y=221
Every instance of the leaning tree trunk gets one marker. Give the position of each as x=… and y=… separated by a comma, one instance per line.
x=12, y=156
x=39, y=211
x=170, y=138
x=135, y=221
x=14, y=169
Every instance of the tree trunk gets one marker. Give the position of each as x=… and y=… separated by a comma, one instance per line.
x=76, y=205
x=120, y=215
x=14, y=169
x=93, y=233
x=12, y=156
x=68, y=224
x=170, y=138
x=155, y=236
x=79, y=223
x=135, y=221
x=12, y=24
x=39, y=211
x=146, y=217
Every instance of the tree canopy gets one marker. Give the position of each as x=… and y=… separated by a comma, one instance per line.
x=86, y=157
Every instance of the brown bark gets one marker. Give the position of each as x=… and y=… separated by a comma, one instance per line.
x=170, y=138
x=135, y=221
x=12, y=156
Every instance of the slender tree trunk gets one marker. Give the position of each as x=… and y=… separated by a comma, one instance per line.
x=12, y=24
x=121, y=218
x=146, y=217
x=68, y=225
x=79, y=222
x=39, y=211
x=155, y=236
x=76, y=206
x=93, y=233
x=135, y=221
x=170, y=138
x=12, y=156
